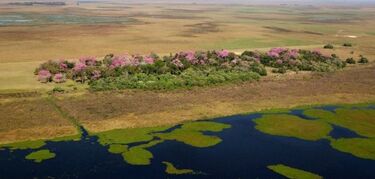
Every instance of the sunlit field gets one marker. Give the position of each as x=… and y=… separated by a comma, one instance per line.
x=183, y=89
x=29, y=35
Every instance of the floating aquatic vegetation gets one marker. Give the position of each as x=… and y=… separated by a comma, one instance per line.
x=293, y=173
x=359, y=120
x=40, y=155
x=189, y=133
x=192, y=134
x=171, y=169
x=24, y=145
x=292, y=126
x=138, y=155
x=117, y=148
x=359, y=147
x=127, y=136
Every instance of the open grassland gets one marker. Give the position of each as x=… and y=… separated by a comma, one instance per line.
x=124, y=109
x=31, y=115
x=168, y=28
x=98, y=29
x=31, y=118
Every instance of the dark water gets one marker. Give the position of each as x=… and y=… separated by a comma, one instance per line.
x=243, y=153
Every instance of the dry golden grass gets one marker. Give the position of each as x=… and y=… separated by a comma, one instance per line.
x=105, y=111
x=27, y=119
x=171, y=28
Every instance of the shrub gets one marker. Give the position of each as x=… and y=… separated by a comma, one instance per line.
x=189, y=78
x=44, y=76
x=350, y=61
x=328, y=46
x=58, y=90
x=362, y=59
x=347, y=45
x=279, y=70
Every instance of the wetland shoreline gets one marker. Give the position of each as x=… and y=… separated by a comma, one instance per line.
x=103, y=111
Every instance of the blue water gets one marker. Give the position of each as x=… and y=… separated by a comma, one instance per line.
x=341, y=132
x=244, y=153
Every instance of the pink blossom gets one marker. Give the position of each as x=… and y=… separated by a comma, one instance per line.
x=44, y=76
x=132, y=61
x=273, y=54
x=276, y=52
x=89, y=61
x=190, y=56
x=149, y=60
x=235, y=61
x=223, y=53
x=118, y=61
x=177, y=63
x=63, y=66
x=58, y=78
x=279, y=62
x=293, y=53
x=79, y=67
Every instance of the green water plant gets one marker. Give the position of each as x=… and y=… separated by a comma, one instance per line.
x=171, y=169
x=359, y=147
x=293, y=173
x=192, y=133
x=361, y=121
x=139, y=155
x=292, y=126
x=40, y=155
x=24, y=145
x=127, y=136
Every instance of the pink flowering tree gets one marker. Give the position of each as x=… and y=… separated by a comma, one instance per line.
x=44, y=76
x=59, y=78
x=223, y=53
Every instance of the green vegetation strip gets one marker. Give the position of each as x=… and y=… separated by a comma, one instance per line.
x=359, y=147
x=24, y=145
x=190, y=133
x=40, y=155
x=293, y=173
x=128, y=136
x=64, y=114
x=292, y=126
x=360, y=121
x=355, y=117
x=171, y=169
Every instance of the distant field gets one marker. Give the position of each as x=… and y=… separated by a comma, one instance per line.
x=33, y=34
x=40, y=33
x=29, y=35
